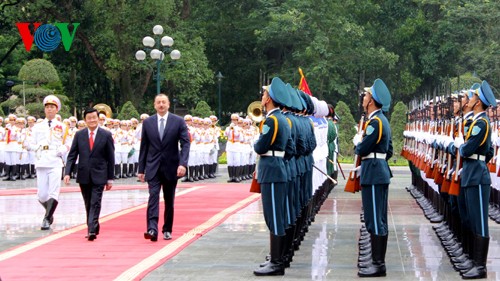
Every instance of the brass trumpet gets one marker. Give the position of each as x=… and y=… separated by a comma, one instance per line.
x=254, y=111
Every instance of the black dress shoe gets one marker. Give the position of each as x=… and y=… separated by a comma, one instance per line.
x=92, y=236
x=167, y=235
x=152, y=235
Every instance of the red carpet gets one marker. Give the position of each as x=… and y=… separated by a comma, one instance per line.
x=120, y=252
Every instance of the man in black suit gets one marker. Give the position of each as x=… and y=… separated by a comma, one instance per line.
x=94, y=148
x=161, y=163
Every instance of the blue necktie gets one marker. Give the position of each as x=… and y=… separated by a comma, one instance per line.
x=162, y=127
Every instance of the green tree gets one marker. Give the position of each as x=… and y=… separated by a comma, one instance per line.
x=38, y=72
x=465, y=82
x=347, y=129
x=202, y=110
x=128, y=111
x=398, y=123
x=40, y=78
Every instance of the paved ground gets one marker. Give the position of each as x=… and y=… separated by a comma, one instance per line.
x=234, y=249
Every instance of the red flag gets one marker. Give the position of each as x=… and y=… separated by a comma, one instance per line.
x=303, y=83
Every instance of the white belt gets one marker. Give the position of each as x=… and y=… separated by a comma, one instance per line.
x=274, y=153
x=477, y=157
x=375, y=155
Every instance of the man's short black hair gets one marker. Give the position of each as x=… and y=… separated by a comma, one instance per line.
x=88, y=111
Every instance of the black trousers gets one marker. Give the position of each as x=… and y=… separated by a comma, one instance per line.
x=155, y=185
x=92, y=198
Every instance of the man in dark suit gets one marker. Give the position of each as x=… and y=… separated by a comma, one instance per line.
x=94, y=148
x=161, y=163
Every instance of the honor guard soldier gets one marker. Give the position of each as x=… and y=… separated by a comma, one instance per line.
x=374, y=147
x=2, y=148
x=11, y=135
x=214, y=153
x=102, y=120
x=22, y=154
x=31, y=154
x=47, y=142
x=332, y=143
x=272, y=174
x=476, y=151
x=191, y=163
x=233, y=155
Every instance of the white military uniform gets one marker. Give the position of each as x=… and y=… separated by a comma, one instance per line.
x=47, y=142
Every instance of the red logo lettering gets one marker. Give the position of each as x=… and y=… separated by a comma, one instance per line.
x=26, y=35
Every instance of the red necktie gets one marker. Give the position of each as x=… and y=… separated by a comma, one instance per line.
x=91, y=140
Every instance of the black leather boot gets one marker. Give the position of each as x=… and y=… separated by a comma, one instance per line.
x=237, y=173
x=117, y=171
x=186, y=178
x=136, y=169
x=130, y=170
x=49, y=214
x=8, y=172
x=377, y=267
x=197, y=173
x=275, y=265
x=230, y=173
x=24, y=173
x=479, y=256
x=124, y=171
x=190, y=173
x=2, y=170
x=16, y=174
x=31, y=171
x=212, y=171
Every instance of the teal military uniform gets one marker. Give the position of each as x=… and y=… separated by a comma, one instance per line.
x=375, y=174
x=476, y=182
x=272, y=173
x=375, y=149
x=475, y=176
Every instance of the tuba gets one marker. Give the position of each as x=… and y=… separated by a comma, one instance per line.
x=104, y=109
x=254, y=111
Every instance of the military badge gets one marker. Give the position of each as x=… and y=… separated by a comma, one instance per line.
x=265, y=129
x=475, y=130
x=369, y=130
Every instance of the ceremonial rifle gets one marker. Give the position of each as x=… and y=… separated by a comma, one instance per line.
x=455, y=181
x=438, y=175
x=445, y=187
x=353, y=183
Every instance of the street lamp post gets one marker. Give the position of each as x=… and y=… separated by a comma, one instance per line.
x=219, y=81
x=157, y=49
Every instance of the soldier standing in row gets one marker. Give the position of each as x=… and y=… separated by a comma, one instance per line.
x=272, y=173
x=476, y=151
x=375, y=148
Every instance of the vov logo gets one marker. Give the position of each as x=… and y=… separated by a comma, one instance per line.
x=47, y=37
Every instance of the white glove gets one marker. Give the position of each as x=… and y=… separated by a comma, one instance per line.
x=61, y=150
x=447, y=141
x=357, y=170
x=450, y=173
x=459, y=141
x=357, y=139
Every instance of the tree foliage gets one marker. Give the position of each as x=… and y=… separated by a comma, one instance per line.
x=398, y=122
x=202, y=110
x=128, y=111
x=38, y=71
x=417, y=47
